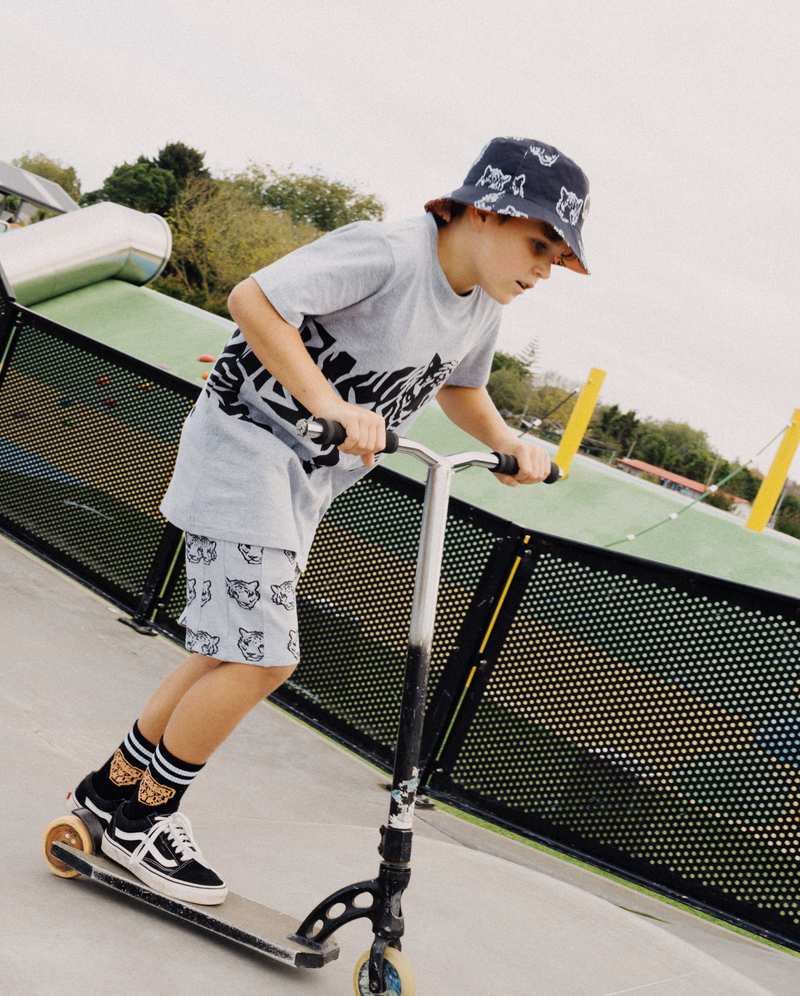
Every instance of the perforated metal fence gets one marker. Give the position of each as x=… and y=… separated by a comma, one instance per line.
x=88, y=438
x=638, y=716
x=646, y=718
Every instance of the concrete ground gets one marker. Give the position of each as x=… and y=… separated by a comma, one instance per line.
x=288, y=817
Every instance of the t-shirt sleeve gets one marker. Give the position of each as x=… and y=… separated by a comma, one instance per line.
x=338, y=270
x=475, y=367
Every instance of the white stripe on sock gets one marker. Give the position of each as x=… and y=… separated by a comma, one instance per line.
x=137, y=750
x=178, y=775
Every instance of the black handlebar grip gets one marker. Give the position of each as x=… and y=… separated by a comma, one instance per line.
x=334, y=434
x=507, y=464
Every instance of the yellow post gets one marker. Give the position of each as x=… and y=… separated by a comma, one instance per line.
x=579, y=419
x=772, y=485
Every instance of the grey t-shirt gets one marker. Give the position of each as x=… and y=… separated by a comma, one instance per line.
x=379, y=318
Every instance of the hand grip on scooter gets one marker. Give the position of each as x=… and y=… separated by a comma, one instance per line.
x=507, y=464
x=334, y=434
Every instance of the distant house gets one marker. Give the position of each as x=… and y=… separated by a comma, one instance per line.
x=665, y=477
x=684, y=485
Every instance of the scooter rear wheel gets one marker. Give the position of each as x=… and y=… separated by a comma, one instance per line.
x=66, y=830
x=397, y=974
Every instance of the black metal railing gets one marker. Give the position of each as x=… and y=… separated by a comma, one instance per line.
x=639, y=716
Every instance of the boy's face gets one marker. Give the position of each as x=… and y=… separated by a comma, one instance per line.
x=511, y=257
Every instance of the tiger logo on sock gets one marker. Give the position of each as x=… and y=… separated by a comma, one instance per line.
x=244, y=593
x=122, y=771
x=200, y=548
x=153, y=793
x=201, y=642
x=251, y=644
x=283, y=594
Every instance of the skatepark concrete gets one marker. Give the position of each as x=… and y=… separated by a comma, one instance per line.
x=287, y=817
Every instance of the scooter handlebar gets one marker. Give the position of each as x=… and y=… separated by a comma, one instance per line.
x=507, y=464
x=334, y=434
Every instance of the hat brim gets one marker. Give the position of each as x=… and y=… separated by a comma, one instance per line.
x=516, y=207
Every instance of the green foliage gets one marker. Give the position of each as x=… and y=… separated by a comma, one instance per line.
x=789, y=517
x=51, y=169
x=653, y=448
x=718, y=500
x=220, y=237
x=140, y=186
x=182, y=161
x=151, y=185
x=682, y=438
x=511, y=380
x=508, y=390
x=696, y=465
x=504, y=361
x=309, y=198
x=617, y=429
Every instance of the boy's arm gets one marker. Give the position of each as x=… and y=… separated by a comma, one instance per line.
x=473, y=410
x=280, y=348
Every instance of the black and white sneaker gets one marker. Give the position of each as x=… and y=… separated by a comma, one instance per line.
x=85, y=797
x=161, y=851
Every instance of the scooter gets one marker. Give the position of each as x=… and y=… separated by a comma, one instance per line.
x=71, y=844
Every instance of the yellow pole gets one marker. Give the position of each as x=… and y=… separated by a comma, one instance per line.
x=579, y=419
x=772, y=485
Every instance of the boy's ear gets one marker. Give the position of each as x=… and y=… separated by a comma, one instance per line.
x=477, y=217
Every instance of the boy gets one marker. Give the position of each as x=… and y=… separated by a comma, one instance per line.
x=364, y=326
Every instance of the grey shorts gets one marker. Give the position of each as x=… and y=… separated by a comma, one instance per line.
x=241, y=602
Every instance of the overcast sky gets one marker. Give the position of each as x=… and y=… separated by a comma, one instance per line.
x=685, y=116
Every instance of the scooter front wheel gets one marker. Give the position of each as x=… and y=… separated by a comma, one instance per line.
x=398, y=975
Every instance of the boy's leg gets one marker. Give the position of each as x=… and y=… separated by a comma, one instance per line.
x=118, y=779
x=156, y=714
x=240, y=609
x=148, y=834
x=214, y=706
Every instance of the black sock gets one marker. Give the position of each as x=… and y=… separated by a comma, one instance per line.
x=162, y=787
x=124, y=769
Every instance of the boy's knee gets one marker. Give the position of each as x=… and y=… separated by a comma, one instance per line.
x=209, y=662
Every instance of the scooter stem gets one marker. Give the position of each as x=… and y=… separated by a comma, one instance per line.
x=423, y=616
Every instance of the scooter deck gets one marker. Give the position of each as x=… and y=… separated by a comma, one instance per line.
x=241, y=920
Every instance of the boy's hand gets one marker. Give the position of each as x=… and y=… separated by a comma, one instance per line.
x=534, y=464
x=366, y=430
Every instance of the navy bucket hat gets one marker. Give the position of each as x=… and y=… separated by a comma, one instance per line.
x=524, y=178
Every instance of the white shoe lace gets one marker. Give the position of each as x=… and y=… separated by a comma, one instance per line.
x=179, y=831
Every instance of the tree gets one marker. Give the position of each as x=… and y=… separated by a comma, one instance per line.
x=619, y=428
x=508, y=390
x=653, y=448
x=696, y=465
x=789, y=517
x=140, y=186
x=310, y=198
x=182, y=161
x=219, y=237
x=511, y=380
x=718, y=500
x=504, y=361
x=151, y=185
x=51, y=169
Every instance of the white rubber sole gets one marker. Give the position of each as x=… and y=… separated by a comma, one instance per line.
x=201, y=895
